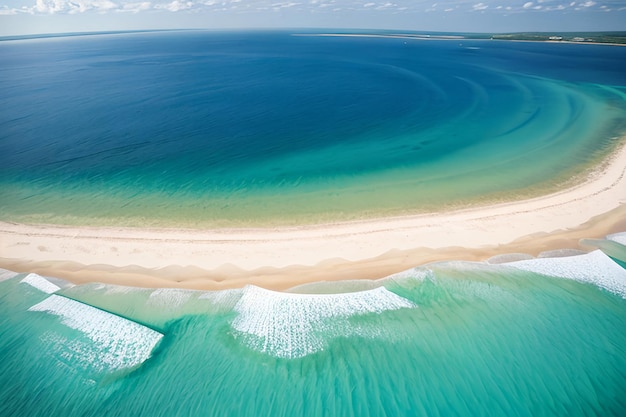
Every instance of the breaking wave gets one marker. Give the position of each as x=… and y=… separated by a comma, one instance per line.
x=295, y=325
x=444, y=336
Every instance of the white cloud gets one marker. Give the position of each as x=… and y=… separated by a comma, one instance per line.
x=104, y=5
x=175, y=6
x=71, y=7
x=136, y=7
x=49, y=6
x=279, y=6
x=386, y=6
x=5, y=11
x=501, y=7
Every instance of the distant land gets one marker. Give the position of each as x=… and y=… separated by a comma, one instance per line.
x=612, y=38
x=579, y=37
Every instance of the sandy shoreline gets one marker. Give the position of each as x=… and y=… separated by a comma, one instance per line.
x=285, y=257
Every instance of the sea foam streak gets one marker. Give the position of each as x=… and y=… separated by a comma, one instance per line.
x=168, y=298
x=118, y=343
x=40, y=283
x=618, y=237
x=295, y=325
x=595, y=268
x=5, y=274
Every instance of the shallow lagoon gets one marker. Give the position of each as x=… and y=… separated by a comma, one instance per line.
x=203, y=129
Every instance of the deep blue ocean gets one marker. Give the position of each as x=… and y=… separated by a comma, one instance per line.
x=251, y=128
x=205, y=129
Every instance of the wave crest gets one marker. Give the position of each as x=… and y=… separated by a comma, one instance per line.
x=295, y=325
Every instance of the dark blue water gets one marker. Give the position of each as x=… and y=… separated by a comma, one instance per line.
x=203, y=128
x=198, y=128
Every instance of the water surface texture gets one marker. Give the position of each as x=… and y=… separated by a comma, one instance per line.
x=537, y=337
x=225, y=129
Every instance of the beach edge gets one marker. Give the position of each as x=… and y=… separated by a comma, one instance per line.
x=281, y=258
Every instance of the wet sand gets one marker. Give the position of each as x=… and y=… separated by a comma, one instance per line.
x=285, y=257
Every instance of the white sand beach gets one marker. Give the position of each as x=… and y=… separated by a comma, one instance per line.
x=285, y=257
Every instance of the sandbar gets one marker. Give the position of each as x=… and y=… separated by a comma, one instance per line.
x=280, y=258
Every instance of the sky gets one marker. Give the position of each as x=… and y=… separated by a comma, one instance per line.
x=18, y=17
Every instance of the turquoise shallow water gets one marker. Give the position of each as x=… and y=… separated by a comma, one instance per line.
x=205, y=129
x=199, y=129
x=453, y=338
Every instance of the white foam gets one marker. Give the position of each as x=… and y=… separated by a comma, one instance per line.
x=594, y=267
x=560, y=253
x=40, y=283
x=618, y=237
x=169, y=297
x=222, y=300
x=335, y=287
x=6, y=274
x=291, y=325
x=508, y=257
x=113, y=289
x=419, y=273
x=118, y=343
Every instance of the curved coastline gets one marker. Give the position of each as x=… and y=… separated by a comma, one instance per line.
x=286, y=257
x=474, y=134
